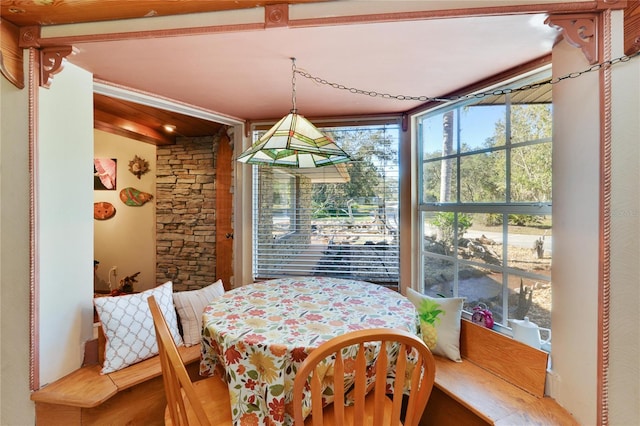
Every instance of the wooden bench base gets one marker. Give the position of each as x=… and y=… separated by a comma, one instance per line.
x=499, y=382
x=131, y=396
x=140, y=405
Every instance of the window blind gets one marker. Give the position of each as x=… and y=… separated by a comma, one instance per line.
x=340, y=221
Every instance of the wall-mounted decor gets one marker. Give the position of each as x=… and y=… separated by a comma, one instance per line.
x=103, y=210
x=133, y=197
x=138, y=166
x=105, y=173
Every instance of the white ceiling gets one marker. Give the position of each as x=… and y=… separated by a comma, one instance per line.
x=247, y=74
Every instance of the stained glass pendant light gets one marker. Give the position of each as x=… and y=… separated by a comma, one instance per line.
x=294, y=142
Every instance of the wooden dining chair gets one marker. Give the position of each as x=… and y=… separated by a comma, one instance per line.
x=205, y=402
x=371, y=407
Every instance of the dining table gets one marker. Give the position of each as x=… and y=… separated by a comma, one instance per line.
x=256, y=336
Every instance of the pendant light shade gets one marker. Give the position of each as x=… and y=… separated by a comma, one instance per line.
x=294, y=142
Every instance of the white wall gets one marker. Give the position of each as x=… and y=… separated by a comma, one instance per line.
x=127, y=240
x=576, y=139
x=65, y=212
x=15, y=406
x=624, y=356
x=576, y=194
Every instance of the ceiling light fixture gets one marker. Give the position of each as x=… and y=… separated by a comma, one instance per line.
x=294, y=142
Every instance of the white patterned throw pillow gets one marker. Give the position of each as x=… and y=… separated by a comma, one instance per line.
x=190, y=305
x=128, y=326
x=439, y=322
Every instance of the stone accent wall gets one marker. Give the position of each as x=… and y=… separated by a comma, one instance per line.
x=185, y=213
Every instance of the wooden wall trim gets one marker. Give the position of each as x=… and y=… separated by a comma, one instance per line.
x=632, y=27
x=34, y=227
x=573, y=7
x=224, y=209
x=11, y=55
x=276, y=15
x=604, y=231
x=151, y=34
x=29, y=36
x=276, y=18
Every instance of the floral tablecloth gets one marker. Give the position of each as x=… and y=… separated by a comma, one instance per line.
x=257, y=335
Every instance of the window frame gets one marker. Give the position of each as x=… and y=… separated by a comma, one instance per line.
x=375, y=124
x=458, y=206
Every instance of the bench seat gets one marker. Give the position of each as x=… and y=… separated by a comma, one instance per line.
x=499, y=382
x=494, y=400
x=133, y=395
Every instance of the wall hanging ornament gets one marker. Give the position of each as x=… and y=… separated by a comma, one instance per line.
x=105, y=172
x=103, y=210
x=133, y=197
x=138, y=166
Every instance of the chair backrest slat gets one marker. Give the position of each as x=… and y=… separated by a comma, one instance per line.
x=175, y=377
x=379, y=352
x=338, y=383
x=380, y=384
x=360, y=383
x=411, y=407
x=400, y=377
x=316, y=388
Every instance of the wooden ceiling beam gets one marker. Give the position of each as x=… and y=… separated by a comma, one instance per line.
x=130, y=129
x=76, y=11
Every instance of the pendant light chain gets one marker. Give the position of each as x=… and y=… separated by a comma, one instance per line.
x=294, y=142
x=293, y=85
x=498, y=92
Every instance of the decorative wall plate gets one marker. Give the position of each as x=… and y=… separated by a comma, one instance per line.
x=138, y=166
x=103, y=210
x=133, y=197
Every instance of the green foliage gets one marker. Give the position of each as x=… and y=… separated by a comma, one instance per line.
x=524, y=220
x=483, y=173
x=432, y=177
x=446, y=224
x=373, y=150
x=530, y=164
x=429, y=311
x=493, y=219
x=478, y=178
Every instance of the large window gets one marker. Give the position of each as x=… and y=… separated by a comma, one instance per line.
x=339, y=221
x=485, y=202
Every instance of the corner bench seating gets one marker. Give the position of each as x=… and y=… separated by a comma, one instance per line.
x=132, y=396
x=500, y=381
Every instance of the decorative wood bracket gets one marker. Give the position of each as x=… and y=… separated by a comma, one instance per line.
x=580, y=30
x=51, y=62
x=276, y=15
x=51, y=57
